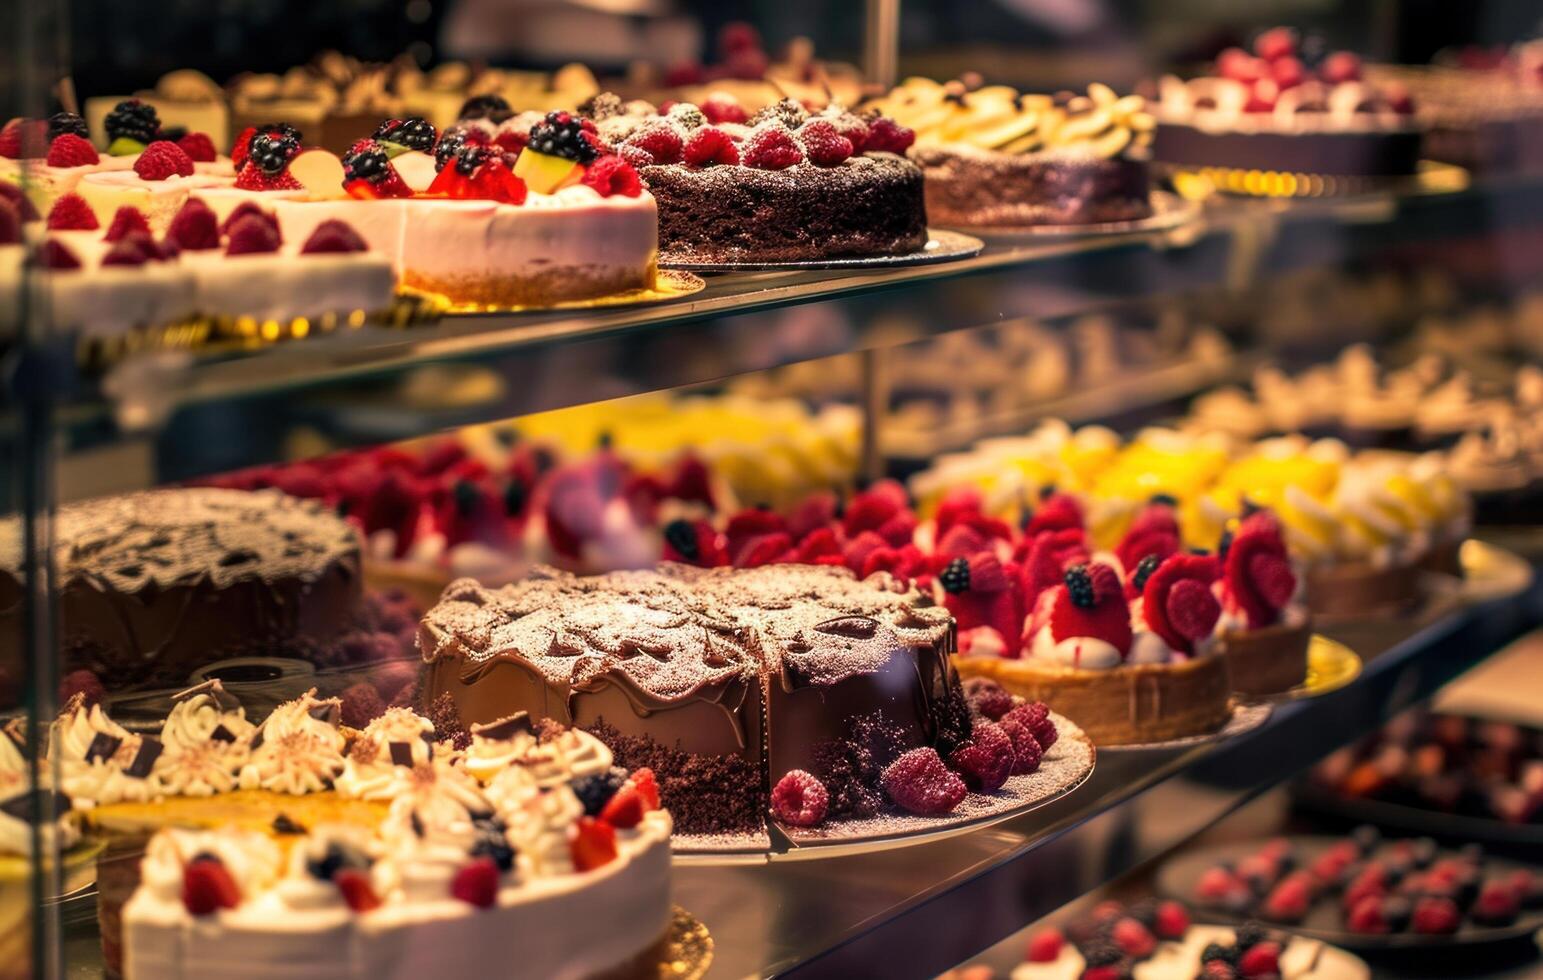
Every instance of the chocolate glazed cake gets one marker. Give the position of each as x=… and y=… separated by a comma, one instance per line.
x=721, y=680
x=870, y=204
x=154, y=585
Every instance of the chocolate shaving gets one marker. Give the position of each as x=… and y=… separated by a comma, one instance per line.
x=283, y=825
x=222, y=734
x=150, y=749
x=505, y=729
x=102, y=746
x=329, y=711
x=401, y=753
x=25, y=806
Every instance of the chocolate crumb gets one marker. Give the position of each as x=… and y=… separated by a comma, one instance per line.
x=447, y=721
x=705, y=794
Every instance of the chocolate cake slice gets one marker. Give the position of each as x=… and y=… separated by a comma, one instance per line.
x=154, y=585
x=721, y=680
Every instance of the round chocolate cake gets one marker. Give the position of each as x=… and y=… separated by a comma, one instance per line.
x=870, y=204
x=720, y=680
x=980, y=189
x=153, y=585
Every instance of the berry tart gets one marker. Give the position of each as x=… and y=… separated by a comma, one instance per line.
x=995, y=157
x=1270, y=111
x=1265, y=626
x=782, y=185
x=1150, y=940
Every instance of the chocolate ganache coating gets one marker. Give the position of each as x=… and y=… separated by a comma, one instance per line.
x=154, y=585
x=764, y=664
x=871, y=204
x=983, y=189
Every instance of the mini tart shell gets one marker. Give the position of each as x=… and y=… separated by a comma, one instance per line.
x=1127, y=705
x=1360, y=588
x=1269, y=660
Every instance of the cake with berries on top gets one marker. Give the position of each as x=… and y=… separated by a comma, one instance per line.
x=156, y=186
x=1274, y=112
x=783, y=185
x=997, y=157
x=50, y=156
x=1265, y=626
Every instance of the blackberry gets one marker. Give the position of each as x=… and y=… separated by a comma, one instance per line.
x=1224, y=545
x=1165, y=499
x=682, y=537
x=956, y=577
x=1396, y=912
x=368, y=162
x=450, y=143
x=1102, y=952
x=281, y=129
x=494, y=108
x=493, y=843
x=469, y=158
x=596, y=791
x=1249, y=934
x=133, y=119
x=1144, y=571
x=562, y=135
x=788, y=112
x=465, y=497
x=66, y=122
x=414, y=133
x=172, y=133
x=1250, y=508
x=272, y=151
x=1144, y=912
x=1366, y=838
x=1216, y=951
x=333, y=858
x=514, y=498
x=1079, y=586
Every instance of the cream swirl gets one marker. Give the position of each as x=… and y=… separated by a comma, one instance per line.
x=538, y=821
x=298, y=749
x=207, y=739
x=430, y=831
x=252, y=859
x=510, y=742
x=19, y=803
x=99, y=760
x=382, y=758
x=1084, y=652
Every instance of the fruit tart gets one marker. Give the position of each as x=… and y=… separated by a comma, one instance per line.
x=1265, y=625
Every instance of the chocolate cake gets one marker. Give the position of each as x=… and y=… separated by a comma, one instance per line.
x=984, y=190
x=868, y=205
x=722, y=680
x=153, y=585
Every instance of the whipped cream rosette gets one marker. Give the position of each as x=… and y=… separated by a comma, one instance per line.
x=382, y=757
x=298, y=749
x=99, y=760
x=208, y=740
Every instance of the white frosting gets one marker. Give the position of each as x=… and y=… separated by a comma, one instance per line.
x=295, y=751
x=16, y=781
x=87, y=774
x=371, y=771
x=569, y=756
x=158, y=200
x=207, y=739
x=1085, y=652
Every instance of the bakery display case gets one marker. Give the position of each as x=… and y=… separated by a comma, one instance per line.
x=756, y=514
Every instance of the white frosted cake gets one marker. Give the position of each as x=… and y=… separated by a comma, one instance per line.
x=158, y=200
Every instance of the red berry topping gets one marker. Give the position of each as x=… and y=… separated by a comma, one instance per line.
x=1498, y=903
x=493, y=181
x=10, y=224
x=11, y=193
x=772, y=148
x=1027, y=750
x=1276, y=43
x=1218, y=970
x=986, y=760
x=1262, y=959
x=720, y=107
x=1035, y=716
x=1341, y=66
x=1133, y=938
x=1258, y=574
x=1172, y=921
x=660, y=141
x=1057, y=512
x=247, y=209
x=1177, y=600
x=1288, y=72
x=239, y=148
x=476, y=883
x=1289, y=901
x=1436, y=916
x=1366, y=916
x=1155, y=531
x=10, y=140
x=710, y=146
x=333, y=236
x=195, y=227
x=593, y=844
x=854, y=129
x=126, y=221
x=207, y=887
x=69, y=150
x=624, y=810
x=918, y=781
x=648, y=788
x=199, y=147
x=251, y=177
x=54, y=254
x=824, y=144
x=887, y=136
x=1091, y=605
x=24, y=136
x=1239, y=66
x=161, y=160
x=133, y=249
x=612, y=175
x=356, y=888
x=799, y=799
x=1045, y=946
x=988, y=698
x=72, y=213
x=252, y=235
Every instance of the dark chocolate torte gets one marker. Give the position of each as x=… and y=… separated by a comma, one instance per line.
x=722, y=680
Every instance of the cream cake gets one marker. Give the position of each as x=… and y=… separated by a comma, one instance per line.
x=49, y=157
x=82, y=284
x=159, y=184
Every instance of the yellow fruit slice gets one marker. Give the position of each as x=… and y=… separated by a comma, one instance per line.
x=546, y=174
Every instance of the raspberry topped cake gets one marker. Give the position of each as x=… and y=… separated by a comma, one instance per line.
x=782, y=185
x=1272, y=111
x=50, y=156
x=996, y=157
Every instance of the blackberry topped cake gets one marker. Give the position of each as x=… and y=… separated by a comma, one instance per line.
x=782, y=185
x=1271, y=111
x=995, y=157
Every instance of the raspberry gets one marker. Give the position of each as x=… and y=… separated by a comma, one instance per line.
x=195, y=227
x=1133, y=938
x=986, y=760
x=1289, y=901
x=826, y=147
x=362, y=704
x=1497, y=905
x=988, y=698
x=1259, y=587
x=961, y=541
x=1260, y=960
x=70, y=150
x=1056, y=512
x=1273, y=578
x=72, y=213
x=660, y=140
x=126, y=221
x=251, y=177
x=719, y=107
x=772, y=147
x=132, y=249
x=252, y=235
x=1366, y=916
x=852, y=128
x=737, y=37
x=162, y=160
x=624, y=810
x=199, y=147
x=333, y=236
x=12, y=194
x=246, y=209
x=593, y=844
x=919, y=782
x=1215, y=883
x=1027, y=751
x=82, y=682
x=799, y=799
x=357, y=890
x=823, y=542
x=1084, y=608
x=1218, y=970
x=643, y=781
x=1341, y=66
x=899, y=529
x=709, y=147
x=887, y=136
x=766, y=549
x=23, y=136
x=1172, y=921
x=207, y=886
x=239, y=147
x=54, y=254
x=612, y=175
x=476, y=883
x=1045, y=946
x=1192, y=609
x=1035, y=716
x=1277, y=42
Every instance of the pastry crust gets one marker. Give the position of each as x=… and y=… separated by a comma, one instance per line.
x=1360, y=588
x=1267, y=661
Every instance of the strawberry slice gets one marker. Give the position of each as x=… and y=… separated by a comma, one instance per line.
x=1177, y=600
x=593, y=844
x=1258, y=577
